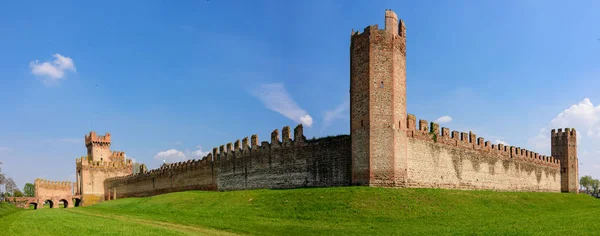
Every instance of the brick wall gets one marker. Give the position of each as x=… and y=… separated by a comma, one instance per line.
x=287, y=163
x=460, y=160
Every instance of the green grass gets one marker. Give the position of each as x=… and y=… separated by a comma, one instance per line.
x=323, y=211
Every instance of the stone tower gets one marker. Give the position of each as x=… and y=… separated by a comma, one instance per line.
x=98, y=147
x=564, y=147
x=99, y=164
x=378, y=104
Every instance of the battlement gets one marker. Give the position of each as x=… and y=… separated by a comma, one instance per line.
x=42, y=183
x=164, y=170
x=431, y=132
x=94, y=138
x=226, y=151
x=86, y=163
x=393, y=26
x=569, y=132
x=118, y=154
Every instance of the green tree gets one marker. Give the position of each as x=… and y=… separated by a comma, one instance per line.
x=17, y=193
x=586, y=182
x=29, y=190
x=595, y=185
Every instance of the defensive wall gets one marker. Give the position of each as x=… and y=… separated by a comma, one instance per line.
x=281, y=163
x=438, y=158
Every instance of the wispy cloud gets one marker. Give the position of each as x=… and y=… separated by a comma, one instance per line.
x=276, y=98
x=174, y=155
x=52, y=72
x=443, y=120
x=340, y=112
x=4, y=149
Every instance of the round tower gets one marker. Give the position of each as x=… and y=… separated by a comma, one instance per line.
x=378, y=103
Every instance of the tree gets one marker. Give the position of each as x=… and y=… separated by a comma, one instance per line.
x=595, y=185
x=17, y=193
x=10, y=186
x=586, y=182
x=29, y=190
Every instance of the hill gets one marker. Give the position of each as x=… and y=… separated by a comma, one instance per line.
x=332, y=211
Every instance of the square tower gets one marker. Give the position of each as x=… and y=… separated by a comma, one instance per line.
x=99, y=164
x=564, y=147
x=378, y=104
x=98, y=147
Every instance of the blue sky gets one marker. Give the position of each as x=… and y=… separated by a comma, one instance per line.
x=173, y=79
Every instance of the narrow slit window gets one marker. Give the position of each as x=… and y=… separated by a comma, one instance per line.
x=381, y=84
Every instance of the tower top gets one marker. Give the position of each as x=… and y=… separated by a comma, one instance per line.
x=94, y=138
x=393, y=25
x=566, y=133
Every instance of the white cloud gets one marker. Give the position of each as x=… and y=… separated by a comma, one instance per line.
x=200, y=153
x=174, y=155
x=52, y=71
x=443, y=119
x=170, y=156
x=276, y=98
x=499, y=141
x=585, y=118
x=339, y=112
x=3, y=149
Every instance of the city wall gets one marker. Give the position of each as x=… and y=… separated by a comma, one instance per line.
x=52, y=189
x=286, y=163
x=460, y=160
x=436, y=159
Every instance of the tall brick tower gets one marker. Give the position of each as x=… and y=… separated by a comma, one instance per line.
x=378, y=104
x=564, y=147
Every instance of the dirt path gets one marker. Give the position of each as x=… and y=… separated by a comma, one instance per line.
x=190, y=230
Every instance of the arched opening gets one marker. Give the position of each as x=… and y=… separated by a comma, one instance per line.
x=63, y=203
x=32, y=206
x=77, y=202
x=48, y=204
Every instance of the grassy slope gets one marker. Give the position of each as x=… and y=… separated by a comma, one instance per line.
x=360, y=210
x=339, y=211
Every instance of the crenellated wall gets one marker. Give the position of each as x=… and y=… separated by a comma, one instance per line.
x=281, y=163
x=49, y=189
x=285, y=163
x=181, y=176
x=463, y=161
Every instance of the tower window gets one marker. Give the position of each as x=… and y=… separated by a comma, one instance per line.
x=381, y=84
x=361, y=123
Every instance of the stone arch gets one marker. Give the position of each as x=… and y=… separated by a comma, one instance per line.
x=66, y=203
x=51, y=202
x=76, y=202
x=30, y=204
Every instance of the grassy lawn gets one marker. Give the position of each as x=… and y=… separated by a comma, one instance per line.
x=319, y=211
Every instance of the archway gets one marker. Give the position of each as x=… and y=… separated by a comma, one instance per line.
x=64, y=203
x=32, y=206
x=49, y=203
x=76, y=202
